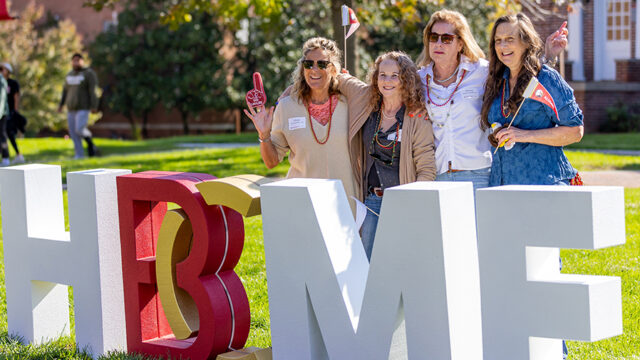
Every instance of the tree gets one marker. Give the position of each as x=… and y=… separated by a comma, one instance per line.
x=145, y=62
x=130, y=64
x=40, y=55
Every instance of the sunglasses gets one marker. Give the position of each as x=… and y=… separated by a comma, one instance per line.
x=322, y=64
x=445, y=38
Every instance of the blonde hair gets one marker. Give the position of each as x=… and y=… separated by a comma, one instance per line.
x=412, y=92
x=300, y=87
x=470, y=47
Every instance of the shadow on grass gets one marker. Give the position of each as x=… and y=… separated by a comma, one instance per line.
x=63, y=348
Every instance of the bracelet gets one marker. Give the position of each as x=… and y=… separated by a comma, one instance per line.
x=267, y=139
x=550, y=62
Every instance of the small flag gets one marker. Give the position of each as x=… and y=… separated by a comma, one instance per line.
x=361, y=212
x=348, y=18
x=4, y=12
x=537, y=92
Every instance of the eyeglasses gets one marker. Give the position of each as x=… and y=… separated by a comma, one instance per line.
x=445, y=38
x=322, y=64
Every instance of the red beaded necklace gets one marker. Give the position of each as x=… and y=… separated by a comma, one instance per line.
x=504, y=108
x=329, y=124
x=464, y=72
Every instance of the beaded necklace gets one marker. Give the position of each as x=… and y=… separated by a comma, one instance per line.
x=390, y=145
x=504, y=108
x=329, y=124
x=430, y=101
x=447, y=79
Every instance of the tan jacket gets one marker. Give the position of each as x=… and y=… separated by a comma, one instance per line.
x=291, y=133
x=417, y=151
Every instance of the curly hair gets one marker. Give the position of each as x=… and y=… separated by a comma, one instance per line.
x=530, y=65
x=300, y=87
x=470, y=47
x=412, y=92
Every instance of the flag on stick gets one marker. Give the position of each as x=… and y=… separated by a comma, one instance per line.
x=348, y=19
x=534, y=91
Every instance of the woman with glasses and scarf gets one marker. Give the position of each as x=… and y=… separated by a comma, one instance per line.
x=396, y=147
x=454, y=72
x=310, y=123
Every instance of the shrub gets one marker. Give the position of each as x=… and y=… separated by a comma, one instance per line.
x=622, y=118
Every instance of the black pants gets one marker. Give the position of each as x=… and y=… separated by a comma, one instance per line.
x=3, y=137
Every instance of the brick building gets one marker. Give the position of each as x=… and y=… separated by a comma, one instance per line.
x=602, y=62
x=89, y=24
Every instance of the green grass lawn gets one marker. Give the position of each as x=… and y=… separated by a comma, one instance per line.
x=618, y=141
x=164, y=154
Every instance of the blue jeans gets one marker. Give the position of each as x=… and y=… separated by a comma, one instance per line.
x=77, y=121
x=479, y=178
x=370, y=224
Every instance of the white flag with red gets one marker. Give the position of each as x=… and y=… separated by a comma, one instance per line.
x=537, y=92
x=349, y=19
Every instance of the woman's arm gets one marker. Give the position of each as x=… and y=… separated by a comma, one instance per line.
x=555, y=136
x=423, y=148
x=351, y=87
x=263, y=121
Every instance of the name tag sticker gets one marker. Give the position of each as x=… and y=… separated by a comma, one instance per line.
x=297, y=123
x=470, y=94
x=392, y=136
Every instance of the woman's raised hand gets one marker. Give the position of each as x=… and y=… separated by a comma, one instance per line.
x=262, y=119
x=556, y=42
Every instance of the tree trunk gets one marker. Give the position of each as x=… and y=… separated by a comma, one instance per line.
x=145, y=122
x=338, y=35
x=185, y=122
x=135, y=132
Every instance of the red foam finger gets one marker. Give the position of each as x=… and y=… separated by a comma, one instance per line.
x=256, y=97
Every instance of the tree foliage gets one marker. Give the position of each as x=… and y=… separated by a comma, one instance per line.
x=40, y=55
x=144, y=62
x=266, y=35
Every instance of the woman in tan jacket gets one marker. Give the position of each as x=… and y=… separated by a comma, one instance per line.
x=388, y=145
x=310, y=123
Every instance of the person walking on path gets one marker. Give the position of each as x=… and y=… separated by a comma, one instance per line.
x=15, y=121
x=4, y=116
x=79, y=96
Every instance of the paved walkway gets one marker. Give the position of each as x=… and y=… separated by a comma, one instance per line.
x=610, y=152
x=626, y=178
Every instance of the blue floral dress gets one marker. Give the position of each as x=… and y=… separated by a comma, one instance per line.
x=530, y=163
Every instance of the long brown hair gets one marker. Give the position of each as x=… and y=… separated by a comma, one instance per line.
x=530, y=65
x=300, y=87
x=470, y=47
x=412, y=93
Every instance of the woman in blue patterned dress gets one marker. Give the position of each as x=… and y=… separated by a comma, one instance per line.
x=536, y=138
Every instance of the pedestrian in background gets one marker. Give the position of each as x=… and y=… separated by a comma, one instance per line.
x=4, y=116
x=15, y=121
x=79, y=96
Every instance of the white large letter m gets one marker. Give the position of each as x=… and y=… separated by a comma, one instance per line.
x=327, y=302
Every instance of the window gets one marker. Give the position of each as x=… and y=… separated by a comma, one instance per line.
x=618, y=19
